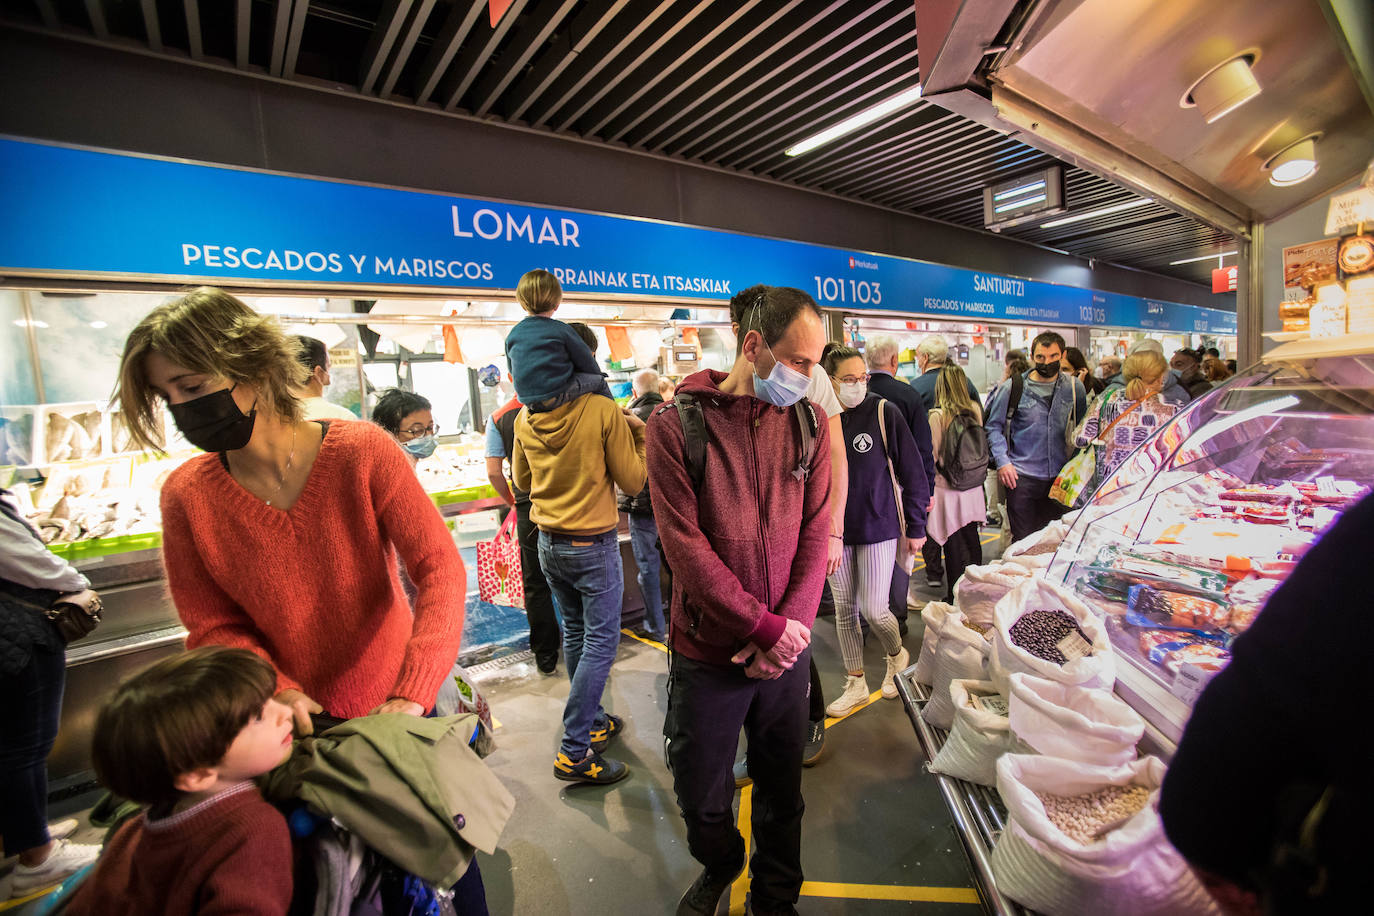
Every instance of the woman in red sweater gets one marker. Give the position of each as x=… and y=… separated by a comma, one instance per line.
x=282, y=538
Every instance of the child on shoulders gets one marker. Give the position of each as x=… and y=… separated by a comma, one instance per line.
x=549, y=362
x=186, y=737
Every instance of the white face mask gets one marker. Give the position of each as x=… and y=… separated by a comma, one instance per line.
x=852, y=394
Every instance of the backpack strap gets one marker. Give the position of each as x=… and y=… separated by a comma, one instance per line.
x=693, y=420
x=1018, y=386
x=808, y=426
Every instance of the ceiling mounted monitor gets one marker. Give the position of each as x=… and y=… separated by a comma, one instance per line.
x=1019, y=200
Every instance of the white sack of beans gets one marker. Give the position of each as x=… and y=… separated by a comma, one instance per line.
x=961, y=652
x=1074, y=723
x=931, y=616
x=978, y=737
x=1096, y=669
x=1034, y=564
x=1040, y=543
x=1131, y=870
x=981, y=587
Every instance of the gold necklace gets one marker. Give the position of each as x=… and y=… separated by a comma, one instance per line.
x=289, y=458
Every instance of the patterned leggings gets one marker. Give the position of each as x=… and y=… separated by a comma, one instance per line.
x=861, y=586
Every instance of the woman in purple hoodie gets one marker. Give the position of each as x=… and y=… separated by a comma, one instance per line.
x=883, y=461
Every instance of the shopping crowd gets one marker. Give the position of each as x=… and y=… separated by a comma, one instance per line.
x=317, y=582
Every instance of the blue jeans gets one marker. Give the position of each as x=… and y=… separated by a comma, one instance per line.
x=644, y=540
x=585, y=575
x=30, y=707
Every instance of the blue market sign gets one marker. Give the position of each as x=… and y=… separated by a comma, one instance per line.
x=75, y=212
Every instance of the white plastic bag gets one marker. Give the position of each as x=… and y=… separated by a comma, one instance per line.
x=931, y=616
x=978, y=738
x=960, y=653
x=1097, y=669
x=1073, y=723
x=981, y=587
x=1131, y=871
x=1044, y=541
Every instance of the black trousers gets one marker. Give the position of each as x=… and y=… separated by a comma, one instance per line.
x=935, y=567
x=963, y=549
x=707, y=707
x=545, y=637
x=901, y=584
x=1030, y=507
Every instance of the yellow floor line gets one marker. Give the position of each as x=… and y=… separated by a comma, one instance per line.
x=16, y=902
x=648, y=642
x=831, y=720
x=889, y=892
x=744, y=823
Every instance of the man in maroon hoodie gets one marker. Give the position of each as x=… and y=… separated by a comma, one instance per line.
x=748, y=552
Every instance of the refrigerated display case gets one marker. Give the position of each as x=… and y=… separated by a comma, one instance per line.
x=1182, y=544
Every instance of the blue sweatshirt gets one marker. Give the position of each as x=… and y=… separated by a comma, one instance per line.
x=870, y=513
x=1037, y=429
x=544, y=354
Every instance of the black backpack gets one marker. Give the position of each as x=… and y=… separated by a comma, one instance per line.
x=964, y=453
x=693, y=420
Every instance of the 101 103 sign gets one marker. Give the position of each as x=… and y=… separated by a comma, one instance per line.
x=843, y=289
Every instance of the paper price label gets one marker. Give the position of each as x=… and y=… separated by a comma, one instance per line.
x=996, y=704
x=1074, y=646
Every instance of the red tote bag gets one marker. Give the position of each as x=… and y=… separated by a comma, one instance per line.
x=498, y=567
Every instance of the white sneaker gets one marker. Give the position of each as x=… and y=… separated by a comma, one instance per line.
x=855, y=695
x=895, y=665
x=57, y=830
x=65, y=860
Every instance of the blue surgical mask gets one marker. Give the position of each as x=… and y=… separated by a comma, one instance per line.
x=784, y=386
x=421, y=446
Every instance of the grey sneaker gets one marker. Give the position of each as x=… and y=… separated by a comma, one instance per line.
x=742, y=777
x=65, y=860
x=815, y=744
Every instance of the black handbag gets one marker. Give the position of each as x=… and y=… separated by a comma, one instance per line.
x=75, y=615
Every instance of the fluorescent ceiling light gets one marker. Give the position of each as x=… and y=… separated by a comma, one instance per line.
x=1101, y=211
x=1017, y=204
x=1203, y=257
x=26, y=323
x=854, y=122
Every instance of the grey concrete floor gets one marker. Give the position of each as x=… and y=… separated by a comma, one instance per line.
x=875, y=825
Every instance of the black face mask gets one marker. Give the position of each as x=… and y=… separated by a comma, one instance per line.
x=214, y=422
x=1047, y=370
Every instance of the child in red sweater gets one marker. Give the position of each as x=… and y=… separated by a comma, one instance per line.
x=186, y=737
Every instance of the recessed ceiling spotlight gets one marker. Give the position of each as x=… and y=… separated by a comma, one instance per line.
x=1293, y=164
x=1224, y=88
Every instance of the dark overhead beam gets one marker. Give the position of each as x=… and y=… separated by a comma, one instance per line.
x=455, y=30
x=750, y=95
x=530, y=40
x=556, y=60
x=243, y=28
x=477, y=55
x=722, y=66
x=400, y=55
x=152, y=28
x=389, y=21
x=671, y=29
x=193, y=38
x=591, y=61
x=675, y=56
x=281, y=24
x=789, y=93
x=96, y=14
x=293, y=38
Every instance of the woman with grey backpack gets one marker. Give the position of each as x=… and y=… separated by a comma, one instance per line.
x=959, y=505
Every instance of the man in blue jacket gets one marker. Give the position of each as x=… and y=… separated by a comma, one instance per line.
x=1027, y=434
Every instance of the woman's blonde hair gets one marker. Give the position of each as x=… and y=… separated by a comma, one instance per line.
x=538, y=292
x=951, y=393
x=208, y=331
x=1141, y=371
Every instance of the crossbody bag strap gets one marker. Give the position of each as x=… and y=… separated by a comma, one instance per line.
x=1121, y=416
x=891, y=472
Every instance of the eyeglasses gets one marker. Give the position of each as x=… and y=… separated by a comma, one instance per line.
x=416, y=432
x=853, y=379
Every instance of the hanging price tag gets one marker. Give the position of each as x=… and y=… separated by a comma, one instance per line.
x=1074, y=646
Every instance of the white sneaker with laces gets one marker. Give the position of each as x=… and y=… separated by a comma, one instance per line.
x=855, y=695
x=895, y=665
x=65, y=860
x=57, y=830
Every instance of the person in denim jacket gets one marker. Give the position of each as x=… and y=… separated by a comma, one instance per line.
x=1031, y=446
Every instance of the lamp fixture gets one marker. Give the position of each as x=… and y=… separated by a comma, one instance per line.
x=1293, y=164
x=1100, y=211
x=1204, y=257
x=854, y=122
x=1224, y=88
